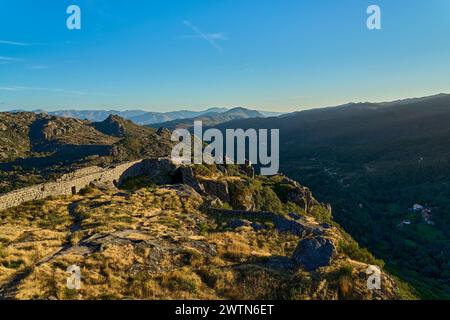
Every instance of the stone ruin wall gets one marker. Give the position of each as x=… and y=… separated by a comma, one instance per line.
x=73, y=182
x=161, y=170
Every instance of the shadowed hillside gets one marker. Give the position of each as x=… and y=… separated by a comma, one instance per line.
x=373, y=162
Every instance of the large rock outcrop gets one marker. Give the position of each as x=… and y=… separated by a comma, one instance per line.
x=216, y=188
x=241, y=197
x=299, y=195
x=313, y=253
x=188, y=178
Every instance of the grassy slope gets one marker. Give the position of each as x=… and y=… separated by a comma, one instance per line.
x=159, y=243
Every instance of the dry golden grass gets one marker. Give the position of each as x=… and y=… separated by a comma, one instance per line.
x=244, y=243
x=31, y=232
x=164, y=252
x=46, y=214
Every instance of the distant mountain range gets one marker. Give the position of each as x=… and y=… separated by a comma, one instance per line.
x=143, y=117
x=211, y=118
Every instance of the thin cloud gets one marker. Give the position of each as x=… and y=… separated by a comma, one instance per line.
x=38, y=67
x=14, y=43
x=9, y=59
x=8, y=89
x=211, y=38
x=54, y=90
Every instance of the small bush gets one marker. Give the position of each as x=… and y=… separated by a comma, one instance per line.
x=2, y=251
x=282, y=190
x=182, y=280
x=16, y=264
x=267, y=200
x=70, y=294
x=137, y=183
x=217, y=278
x=204, y=169
x=355, y=252
x=226, y=206
x=87, y=190
x=344, y=271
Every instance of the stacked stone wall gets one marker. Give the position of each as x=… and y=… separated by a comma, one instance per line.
x=72, y=183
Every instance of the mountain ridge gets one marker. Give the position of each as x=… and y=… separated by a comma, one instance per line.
x=211, y=118
x=141, y=117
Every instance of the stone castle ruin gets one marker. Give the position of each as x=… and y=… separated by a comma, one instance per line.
x=162, y=168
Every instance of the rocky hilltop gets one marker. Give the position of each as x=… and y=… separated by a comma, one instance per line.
x=35, y=148
x=186, y=232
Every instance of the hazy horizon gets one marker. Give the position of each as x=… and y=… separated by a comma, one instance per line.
x=168, y=110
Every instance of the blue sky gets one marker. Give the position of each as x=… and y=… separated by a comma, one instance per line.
x=162, y=55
